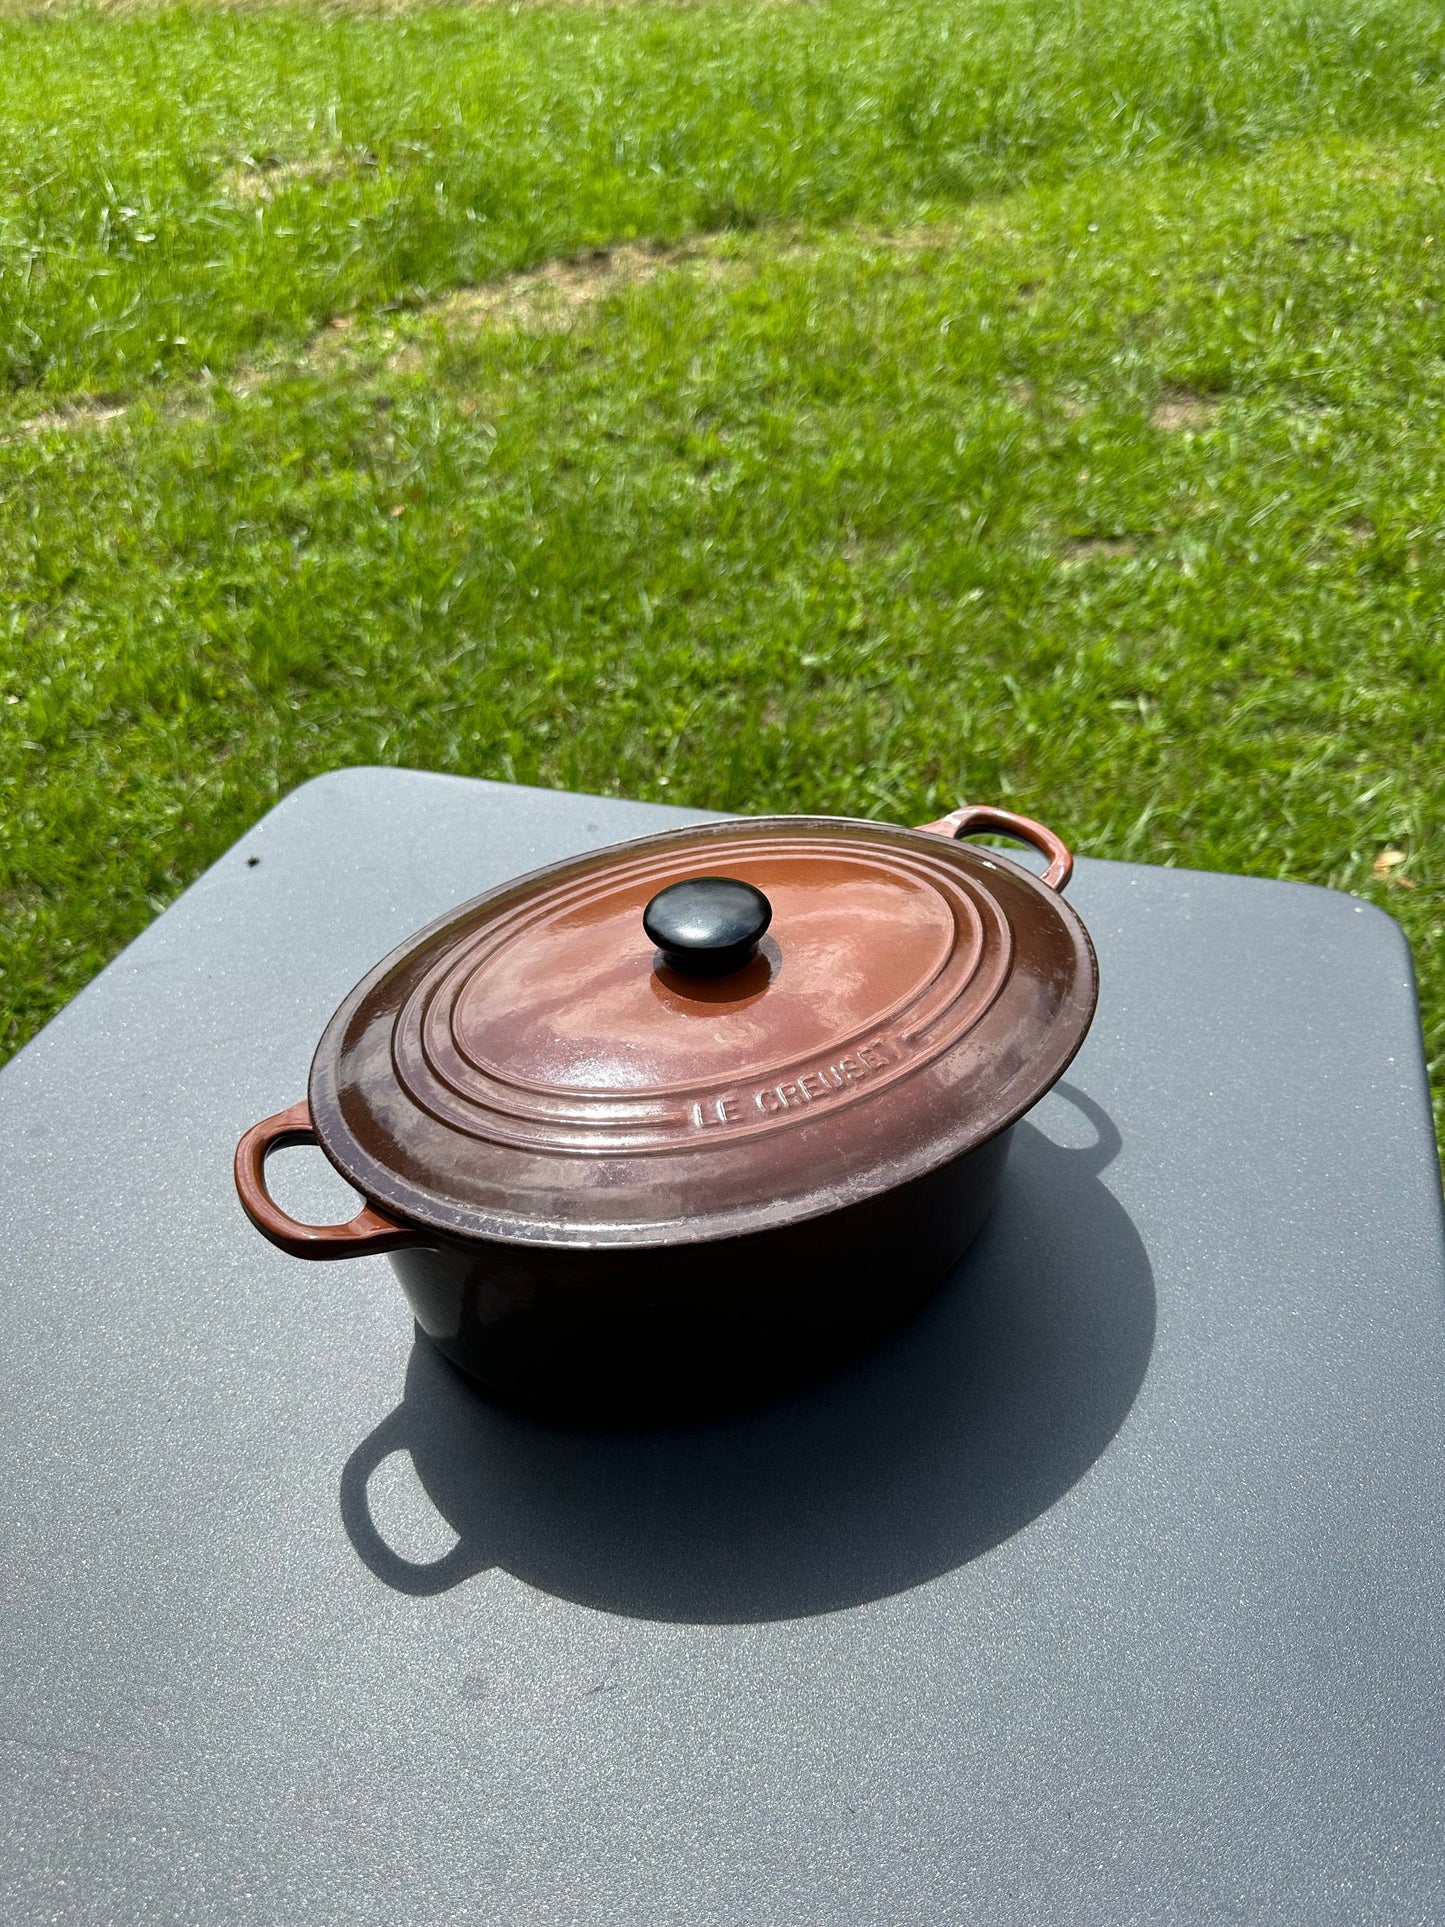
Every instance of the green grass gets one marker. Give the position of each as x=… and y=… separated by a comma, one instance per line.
x=1056, y=417
x=450, y=144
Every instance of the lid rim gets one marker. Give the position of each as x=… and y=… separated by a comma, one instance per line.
x=726, y=1218
x=721, y=1228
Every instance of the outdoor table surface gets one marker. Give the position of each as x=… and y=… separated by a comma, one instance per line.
x=1111, y=1590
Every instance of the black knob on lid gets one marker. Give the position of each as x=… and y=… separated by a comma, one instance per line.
x=706, y=926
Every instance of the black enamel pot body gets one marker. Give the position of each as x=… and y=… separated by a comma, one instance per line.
x=669, y=1330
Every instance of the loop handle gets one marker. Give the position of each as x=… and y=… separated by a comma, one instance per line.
x=368, y=1232
x=971, y=819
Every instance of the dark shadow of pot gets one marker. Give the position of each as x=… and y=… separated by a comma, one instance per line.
x=948, y=1438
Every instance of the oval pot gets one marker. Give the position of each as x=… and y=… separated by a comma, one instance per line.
x=710, y=1306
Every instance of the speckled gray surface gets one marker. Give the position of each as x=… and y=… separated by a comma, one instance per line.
x=1112, y=1592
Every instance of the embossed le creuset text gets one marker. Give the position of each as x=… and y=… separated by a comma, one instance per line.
x=771, y=1099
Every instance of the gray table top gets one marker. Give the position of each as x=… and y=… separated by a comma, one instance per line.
x=1111, y=1591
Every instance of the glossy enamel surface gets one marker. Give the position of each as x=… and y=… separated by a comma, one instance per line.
x=528, y=1070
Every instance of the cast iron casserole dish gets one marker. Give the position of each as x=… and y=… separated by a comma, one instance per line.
x=682, y=1118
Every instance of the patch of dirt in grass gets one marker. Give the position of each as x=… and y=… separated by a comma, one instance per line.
x=1180, y=410
x=1099, y=548
x=260, y=178
x=547, y=300
x=1388, y=168
x=1060, y=402
x=94, y=412
x=551, y=298
x=928, y=237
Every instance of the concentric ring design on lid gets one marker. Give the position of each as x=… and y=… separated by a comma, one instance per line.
x=529, y=1069
x=552, y=1027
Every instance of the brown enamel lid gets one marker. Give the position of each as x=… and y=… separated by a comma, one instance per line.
x=531, y=1068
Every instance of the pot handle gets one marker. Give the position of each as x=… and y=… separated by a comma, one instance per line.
x=971, y=818
x=368, y=1232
